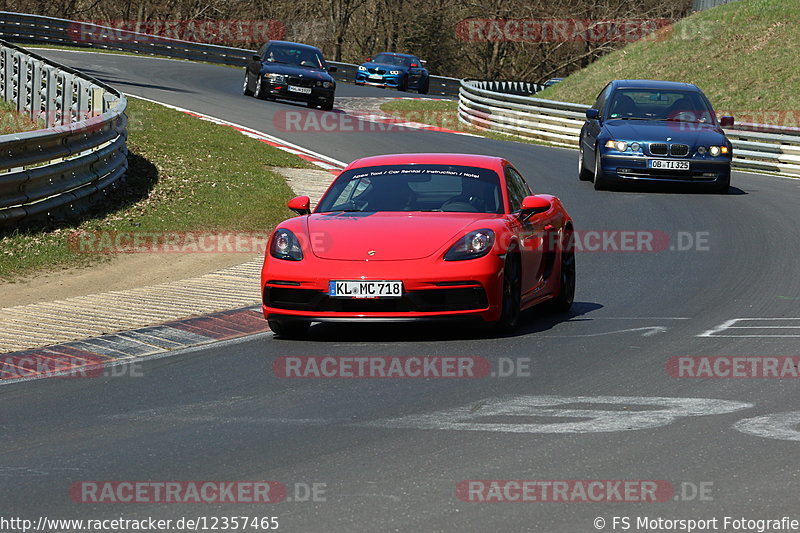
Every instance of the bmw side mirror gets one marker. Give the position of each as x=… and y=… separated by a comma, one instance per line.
x=533, y=205
x=592, y=114
x=726, y=122
x=256, y=58
x=300, y=205
x=332, y=69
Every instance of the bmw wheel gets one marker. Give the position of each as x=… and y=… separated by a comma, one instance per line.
x=425, y=86
x=600, y=183
x=259, y=92
x=246, y=85
x=583, y=174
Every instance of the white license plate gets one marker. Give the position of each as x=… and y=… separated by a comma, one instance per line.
x=302, y=90
x=366, y=289
x=379, y=78
x=667, y=164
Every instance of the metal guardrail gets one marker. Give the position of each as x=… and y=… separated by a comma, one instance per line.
x=51, y=173
x=36, y=29
x=759, y=147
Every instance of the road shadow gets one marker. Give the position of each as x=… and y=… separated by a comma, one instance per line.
x=673, y=188
x=535, y=320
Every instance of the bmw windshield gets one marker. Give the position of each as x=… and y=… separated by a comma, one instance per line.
x=654, y=104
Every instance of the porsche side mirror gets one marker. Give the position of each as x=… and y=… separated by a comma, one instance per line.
x=300, y=205
x=726, y=122
x=533, y=205
x=592, y=114
x=333, y=69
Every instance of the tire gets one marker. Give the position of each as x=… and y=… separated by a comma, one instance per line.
x=583, y=174
x=511, y=296
x=259, y=92
x=600, y=183
x=328, y=105
x=403, y=85
x=246, y=85
x=426, y=87
x=566, y=286
x=288, y=329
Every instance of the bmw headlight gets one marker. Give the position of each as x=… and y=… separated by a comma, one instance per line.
x=276, y=78
x=327, y=84
x=619, y=146
x=362, y=67
x=701, y=150
x=717, y=150
x=284, y=245
x=472, y=245
x=394, y=72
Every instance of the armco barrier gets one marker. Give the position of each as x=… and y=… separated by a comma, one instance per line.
x=35, y=29
x=757, y=147
x=48, y=174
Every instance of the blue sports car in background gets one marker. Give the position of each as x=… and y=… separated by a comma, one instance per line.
x=398, y=71
x=647, y=130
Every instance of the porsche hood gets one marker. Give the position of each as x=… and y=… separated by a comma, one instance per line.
x=384, y=236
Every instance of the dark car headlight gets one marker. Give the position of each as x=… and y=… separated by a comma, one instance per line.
x=362, y=67
x=327, y=84
x=471, y=246
x=284, y=245
x=394, y=72
x=275, y=78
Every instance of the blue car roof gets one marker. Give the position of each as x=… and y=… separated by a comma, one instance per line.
x=394, y=54
x=297, y=45
x=654, y=84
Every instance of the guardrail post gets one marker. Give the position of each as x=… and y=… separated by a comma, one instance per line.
x=36, y=91
x=51, y=97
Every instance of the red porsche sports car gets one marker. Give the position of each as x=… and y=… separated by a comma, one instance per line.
x=411, y=237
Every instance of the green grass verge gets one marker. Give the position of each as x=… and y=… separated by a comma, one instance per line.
x=444, y=113
x=13, y=122
x=742, y=55
x=185, y=174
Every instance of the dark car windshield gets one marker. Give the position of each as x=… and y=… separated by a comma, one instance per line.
x=297, y=56
x=390, y=59
x=450, y=188
x=655, y=104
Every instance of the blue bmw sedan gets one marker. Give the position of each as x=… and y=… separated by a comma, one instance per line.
x=396, y=71
x=648, y=130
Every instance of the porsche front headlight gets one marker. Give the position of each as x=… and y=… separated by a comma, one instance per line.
x=284, y=245
x=471, y=246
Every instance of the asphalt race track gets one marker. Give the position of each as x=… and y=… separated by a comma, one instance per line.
x=219, y=413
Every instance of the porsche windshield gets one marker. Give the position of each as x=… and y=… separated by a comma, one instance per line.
x=448, y=188
x=654, y=104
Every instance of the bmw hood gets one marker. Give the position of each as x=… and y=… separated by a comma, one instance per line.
x=385, y=67
x=291, y=70
x=384, y=236
x=690, y=133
